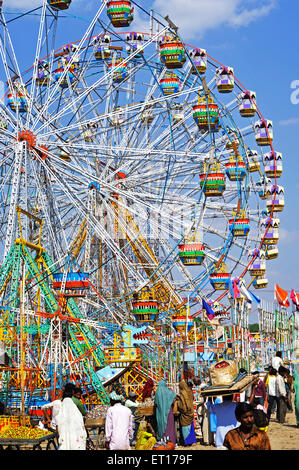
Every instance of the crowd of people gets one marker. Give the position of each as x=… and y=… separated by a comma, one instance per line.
x=228, y=422
x=225, y=422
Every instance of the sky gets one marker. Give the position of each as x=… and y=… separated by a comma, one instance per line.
x=259, y=38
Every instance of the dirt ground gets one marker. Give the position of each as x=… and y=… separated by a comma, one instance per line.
x=282, y=436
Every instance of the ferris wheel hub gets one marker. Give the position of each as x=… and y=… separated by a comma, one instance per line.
x=28, y=137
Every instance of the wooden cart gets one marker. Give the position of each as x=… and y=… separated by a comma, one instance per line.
x=145, y=411
x=95, y=428
x=32, y=444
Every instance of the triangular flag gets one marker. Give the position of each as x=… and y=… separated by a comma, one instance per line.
x=236, y=289
x=250, y=296
x=254, y=297
x=295, y=298
x=210, y=313
x=281, y=296
x=233, y=285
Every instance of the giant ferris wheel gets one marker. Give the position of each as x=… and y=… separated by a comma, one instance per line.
x=136, y=172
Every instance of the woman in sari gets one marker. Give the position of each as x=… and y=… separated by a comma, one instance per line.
x=164, y=400
x=186, y=409
x=70, y=425
x=147, y=389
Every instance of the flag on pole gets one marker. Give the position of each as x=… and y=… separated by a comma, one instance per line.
x=281, y=296
x=233, y=287
x=236, y=289
x=250, y=296
x=210, y=313
x=295, y=298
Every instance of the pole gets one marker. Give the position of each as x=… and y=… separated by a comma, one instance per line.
x=195, y=347
x=22, y=344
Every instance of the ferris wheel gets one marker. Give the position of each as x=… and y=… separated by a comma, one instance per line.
x=149, y=164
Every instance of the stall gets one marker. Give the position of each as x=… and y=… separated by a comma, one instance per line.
x=35, y=440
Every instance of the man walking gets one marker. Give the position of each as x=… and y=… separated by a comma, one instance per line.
x=271, y=384
x=281, y=394
x=118, y=425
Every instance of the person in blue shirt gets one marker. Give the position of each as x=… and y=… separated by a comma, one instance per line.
x=225, y=418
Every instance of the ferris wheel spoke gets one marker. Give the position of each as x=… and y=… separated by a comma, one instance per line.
x=67, y=68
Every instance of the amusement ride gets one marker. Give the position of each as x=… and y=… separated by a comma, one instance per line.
x=138, y=180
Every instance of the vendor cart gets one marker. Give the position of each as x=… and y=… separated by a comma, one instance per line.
x=29, y=444
x=145, y=411
x=95, y=428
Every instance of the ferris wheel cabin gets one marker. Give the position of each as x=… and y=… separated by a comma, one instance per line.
x=68, y=77
x=225, y=81
x=192, y=252
x=119, y=71
x=239, y=225
x=120, y=13
x=263, y=132
x=199, y=58
x=102, y=49
x=180, y=324
x=17, y=101
x=235, y=169
x=76, y=284
x=247, y=106
x=172, y=53
x=272, y=252
x=170, y=84
x=59, y=4
x=272, y=235
x=147, y=115
x=273, y=164
x=43, y=75
x=145, y=307
x=213, y=182
x=135, y=41
x=258, y=265
x=260, y=282
x=253, y=163
x=219, y=279
x=206, y=114
x=275, y=199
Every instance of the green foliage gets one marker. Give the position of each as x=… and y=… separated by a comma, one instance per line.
x=254, y=328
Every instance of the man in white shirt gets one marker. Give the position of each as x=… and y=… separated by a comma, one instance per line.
x=271, y=384
x=118, y=425
x=277, y=360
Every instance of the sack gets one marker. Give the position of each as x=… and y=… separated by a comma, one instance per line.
x=223, y=372
x=261, y=420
